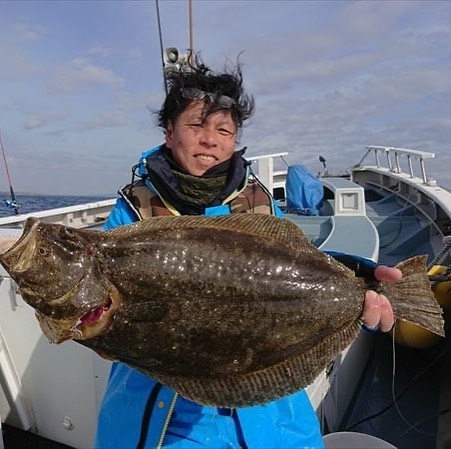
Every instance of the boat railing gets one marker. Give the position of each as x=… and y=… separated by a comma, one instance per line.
x=264, y=168
x=77, y=216
x=393, y=155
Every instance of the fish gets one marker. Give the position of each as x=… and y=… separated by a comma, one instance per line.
x=231, y=311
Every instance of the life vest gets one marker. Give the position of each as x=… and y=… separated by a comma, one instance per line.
x=146, y=202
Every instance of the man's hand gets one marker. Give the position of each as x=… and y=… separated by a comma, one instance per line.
x=377, y=310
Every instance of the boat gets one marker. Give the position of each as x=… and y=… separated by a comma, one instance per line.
x=386, y=209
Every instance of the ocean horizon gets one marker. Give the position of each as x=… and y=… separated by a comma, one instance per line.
x=34, y=202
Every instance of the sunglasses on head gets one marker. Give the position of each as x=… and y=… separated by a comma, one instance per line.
x=223, y=101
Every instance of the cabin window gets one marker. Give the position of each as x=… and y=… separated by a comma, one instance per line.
x=278, y=193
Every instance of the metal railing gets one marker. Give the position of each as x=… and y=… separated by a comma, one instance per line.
x=77, y=216
x=393, y=155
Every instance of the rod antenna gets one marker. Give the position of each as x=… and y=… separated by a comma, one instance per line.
x=191, y=34
x=160, y=35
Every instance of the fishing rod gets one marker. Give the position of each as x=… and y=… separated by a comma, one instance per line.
x=160, y=35
x=191, y=34
x=13, y=203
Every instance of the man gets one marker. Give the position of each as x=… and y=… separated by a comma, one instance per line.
x=197, y=171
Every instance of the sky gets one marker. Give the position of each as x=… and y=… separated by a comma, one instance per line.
x=81, y=81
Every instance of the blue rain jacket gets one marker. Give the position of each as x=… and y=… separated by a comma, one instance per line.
x=137, y=412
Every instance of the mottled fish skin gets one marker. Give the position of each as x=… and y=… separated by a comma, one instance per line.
x=229, y=311
x=56, y=269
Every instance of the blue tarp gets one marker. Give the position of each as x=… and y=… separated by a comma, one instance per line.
x=304, y=191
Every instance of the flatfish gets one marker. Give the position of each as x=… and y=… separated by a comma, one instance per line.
x=228, y=311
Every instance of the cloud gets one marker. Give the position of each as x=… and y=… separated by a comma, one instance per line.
x=27, y=32
x=410, y=84
x=111, y=119
x=44, y=118
x=80, y=73
x=16, y=66
x=15, y=63
x=367, y=19
x=100, y=50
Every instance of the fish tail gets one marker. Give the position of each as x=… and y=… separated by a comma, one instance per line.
x=412, y=298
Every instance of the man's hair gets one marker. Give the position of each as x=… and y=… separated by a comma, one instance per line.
x=198, y=76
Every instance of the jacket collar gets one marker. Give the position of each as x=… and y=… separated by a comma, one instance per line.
x=157, y=167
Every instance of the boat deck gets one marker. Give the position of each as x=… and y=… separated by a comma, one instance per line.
x=421, y=414
x=14, y=438
x=404, y=396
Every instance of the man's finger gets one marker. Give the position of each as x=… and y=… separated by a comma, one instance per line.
x=387, y=274
x=372, y=309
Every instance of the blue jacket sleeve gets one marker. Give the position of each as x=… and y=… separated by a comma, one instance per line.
x=121, y=214
x=360, y=265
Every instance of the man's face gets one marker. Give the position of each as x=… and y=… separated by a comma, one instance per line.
x=199, y=145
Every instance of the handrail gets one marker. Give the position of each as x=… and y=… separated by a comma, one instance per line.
x=78, y=215
x=266, y=156
x=264, y=169
x=394, y=152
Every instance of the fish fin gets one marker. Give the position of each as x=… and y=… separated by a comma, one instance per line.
x=412, y=298
x=266, y=226
x=268, y=384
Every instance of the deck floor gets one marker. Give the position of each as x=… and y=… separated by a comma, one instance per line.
x=14, y=438
x=423, y=392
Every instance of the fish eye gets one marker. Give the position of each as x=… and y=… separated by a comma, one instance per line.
x=43, y=251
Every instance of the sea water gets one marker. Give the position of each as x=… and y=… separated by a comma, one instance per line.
x=35, y=203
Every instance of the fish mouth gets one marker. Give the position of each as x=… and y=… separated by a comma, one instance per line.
x=93, y=323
